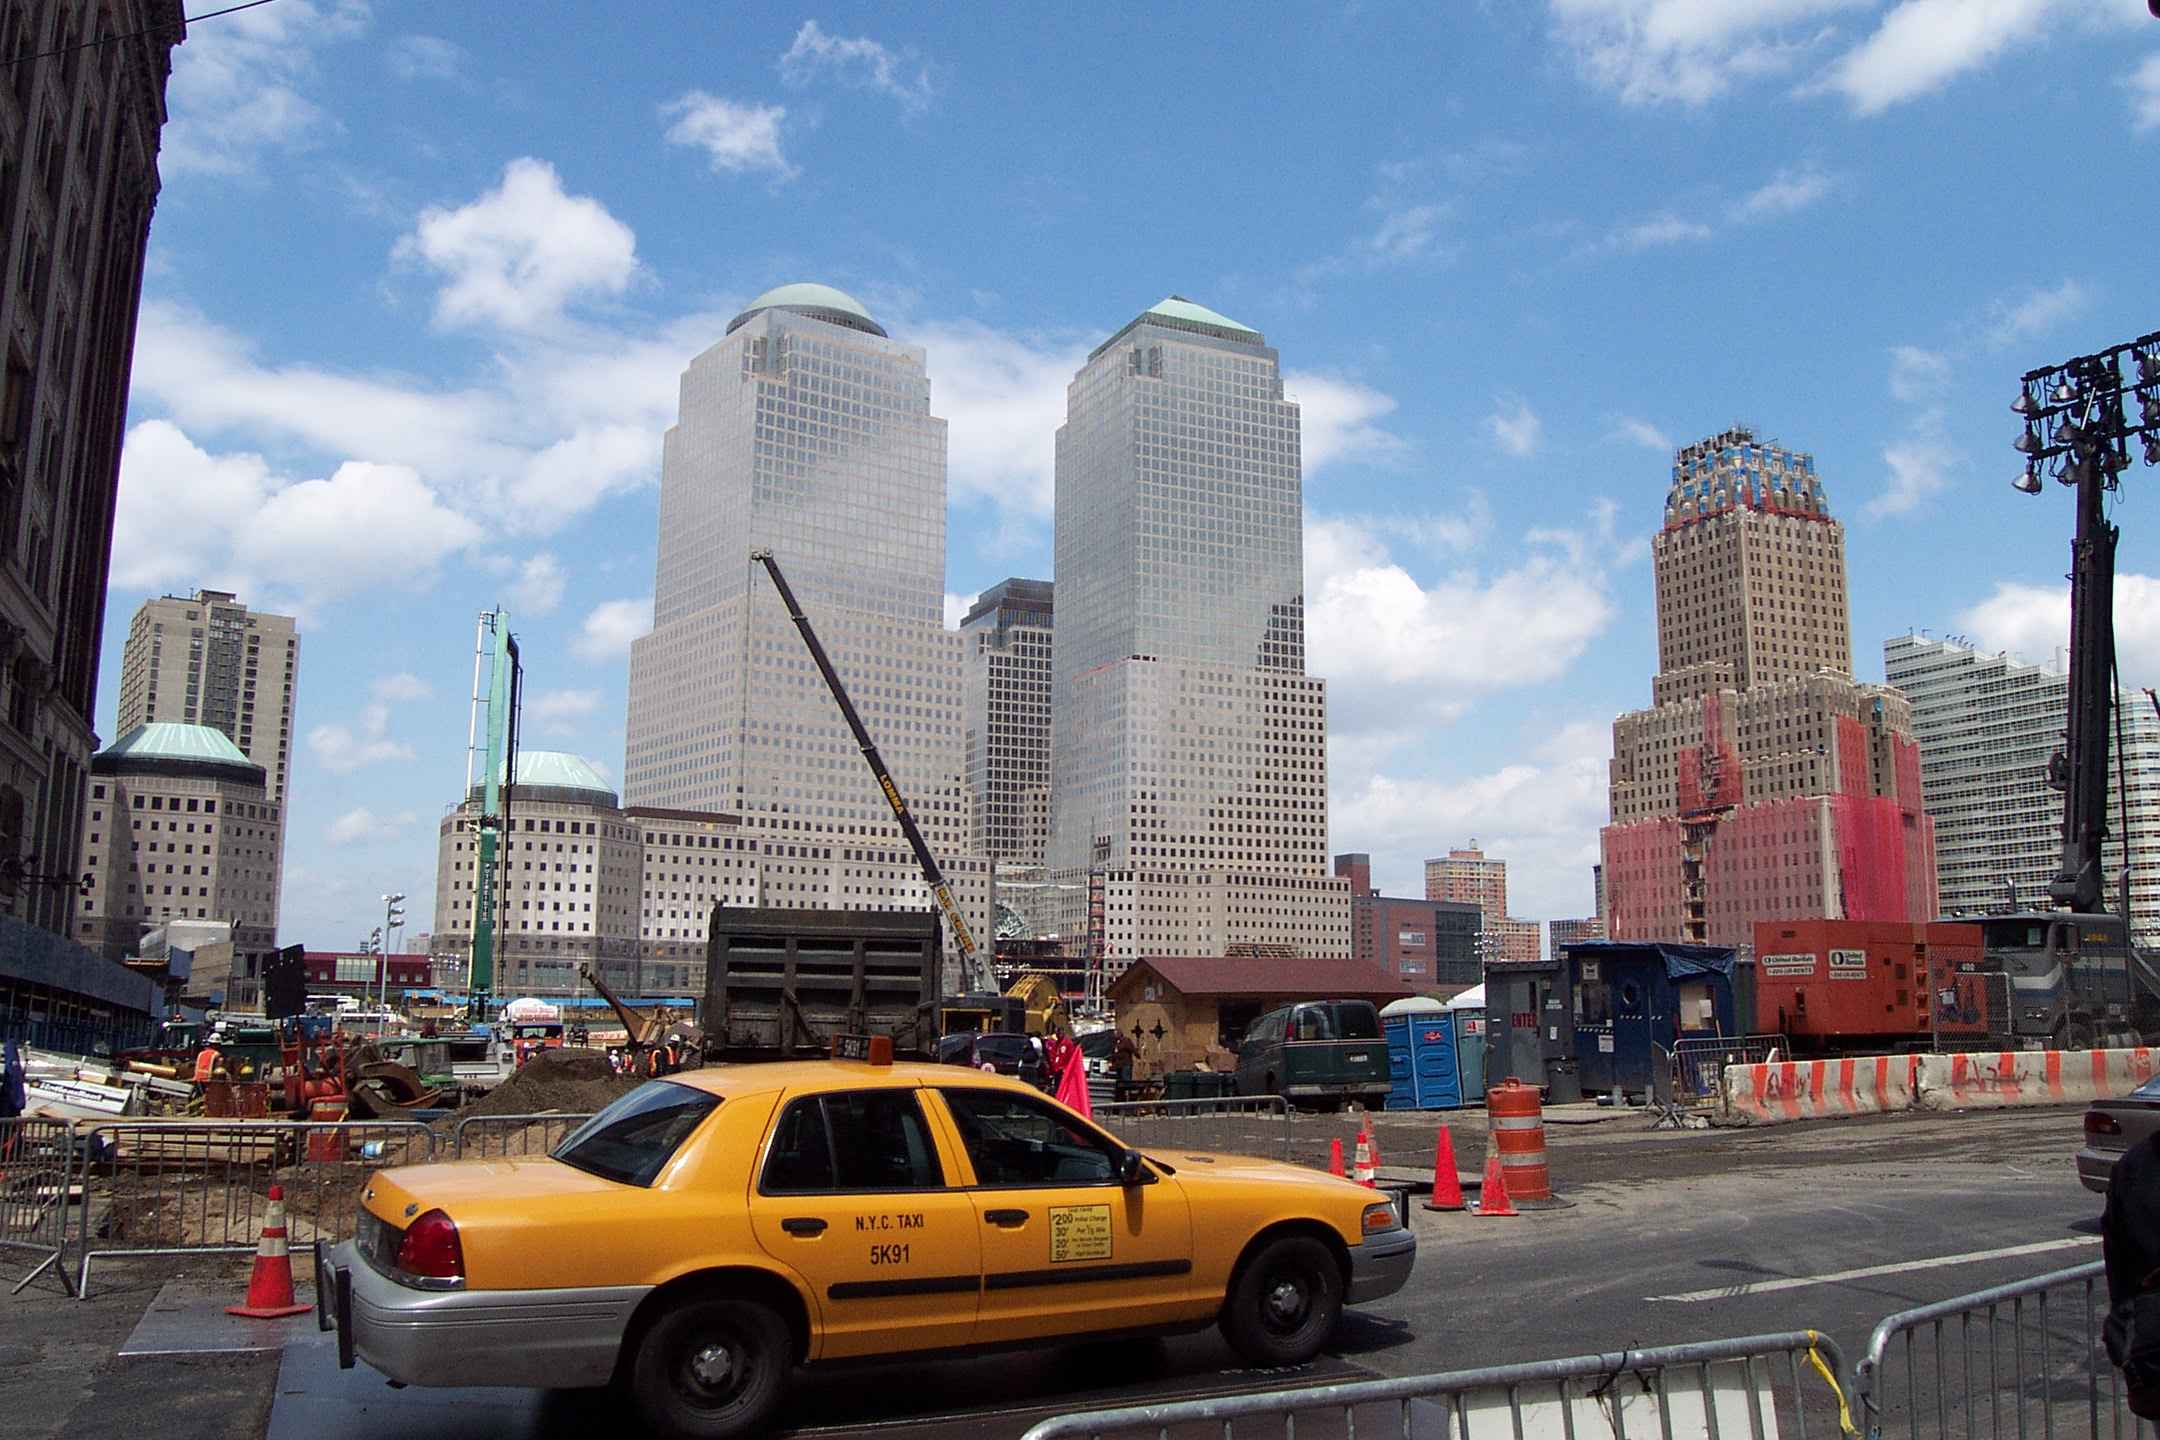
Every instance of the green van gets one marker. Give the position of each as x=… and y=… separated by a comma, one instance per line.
x=1316, y=1055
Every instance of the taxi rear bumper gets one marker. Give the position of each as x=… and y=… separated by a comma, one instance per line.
x=1381, y=1266
x=543, y=1339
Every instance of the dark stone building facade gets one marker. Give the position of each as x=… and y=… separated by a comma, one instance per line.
x=82, y=103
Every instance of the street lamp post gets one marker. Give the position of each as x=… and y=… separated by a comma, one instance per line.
x=393, y=918
x=2080, y=417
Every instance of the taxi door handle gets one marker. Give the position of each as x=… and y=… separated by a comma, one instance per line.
x=803, y=1225
x=1006, y=1217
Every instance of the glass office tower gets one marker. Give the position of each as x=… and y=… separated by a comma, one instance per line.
x=808, y=430
x=1189, y=791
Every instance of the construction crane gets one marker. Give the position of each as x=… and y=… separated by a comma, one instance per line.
x=491, y=744
x=975, y=971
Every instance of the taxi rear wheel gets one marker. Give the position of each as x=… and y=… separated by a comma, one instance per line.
x=1285, y=1303
x=712, y=1369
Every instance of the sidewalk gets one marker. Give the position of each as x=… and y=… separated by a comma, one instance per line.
x=61, y=1375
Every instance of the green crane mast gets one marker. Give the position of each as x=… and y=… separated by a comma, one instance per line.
x=497, y=686
x=974, y=969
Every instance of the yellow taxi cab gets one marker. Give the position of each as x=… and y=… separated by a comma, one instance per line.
x=705, y=1234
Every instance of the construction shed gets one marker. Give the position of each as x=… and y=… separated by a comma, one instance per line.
x=1182, y=1011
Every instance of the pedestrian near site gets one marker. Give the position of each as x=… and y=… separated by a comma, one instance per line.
x=2130, y=1245
x=14, y=1084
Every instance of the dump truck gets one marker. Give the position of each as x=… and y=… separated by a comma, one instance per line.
x=782, y=983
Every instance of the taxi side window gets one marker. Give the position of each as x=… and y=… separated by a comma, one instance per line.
x=1014, y=1140
x=854, y=1140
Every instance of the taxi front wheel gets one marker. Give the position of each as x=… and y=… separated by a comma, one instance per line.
x=1285, y=1303
x=712, y=1369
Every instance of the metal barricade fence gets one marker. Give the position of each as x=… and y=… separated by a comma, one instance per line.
x=1760, y=1387
x=2019, y=1360
x=36, y=1170
x=1699, y=1061
x=202, y=1187
x=1230, y=1125
x=510, y=1137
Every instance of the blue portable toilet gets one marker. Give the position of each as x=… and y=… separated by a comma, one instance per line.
x=1422, y=1056
x=1468, y=1012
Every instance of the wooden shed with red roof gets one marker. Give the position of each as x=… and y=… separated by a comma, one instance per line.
x=1179, y=1008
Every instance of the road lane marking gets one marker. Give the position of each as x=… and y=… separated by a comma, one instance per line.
x=1796, y=1282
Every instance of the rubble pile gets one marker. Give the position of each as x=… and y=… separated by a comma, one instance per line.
x=563, y=1081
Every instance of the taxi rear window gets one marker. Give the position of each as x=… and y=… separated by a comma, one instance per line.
x=633, y=1138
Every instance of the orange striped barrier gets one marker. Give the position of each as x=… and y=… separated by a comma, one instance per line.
x=1995, y=1080
x=1771, y=1094
x=1518, y=1132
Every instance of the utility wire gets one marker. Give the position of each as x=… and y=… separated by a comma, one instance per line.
x=185, y=20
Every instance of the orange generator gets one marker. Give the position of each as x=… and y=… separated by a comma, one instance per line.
x=1854, y=986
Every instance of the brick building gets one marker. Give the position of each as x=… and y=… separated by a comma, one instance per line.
x=1425, y=942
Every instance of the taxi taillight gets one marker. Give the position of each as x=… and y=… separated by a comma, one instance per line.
x=431, y=1250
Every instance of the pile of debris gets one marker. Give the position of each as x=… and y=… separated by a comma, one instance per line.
x=556, y=1081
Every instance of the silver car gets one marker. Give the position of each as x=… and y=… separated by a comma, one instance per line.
x=2113, y=1126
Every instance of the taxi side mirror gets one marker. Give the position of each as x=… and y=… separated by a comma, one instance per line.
x=1132, y=1170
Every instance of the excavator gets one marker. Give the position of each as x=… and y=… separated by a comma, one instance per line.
x=647, y=1028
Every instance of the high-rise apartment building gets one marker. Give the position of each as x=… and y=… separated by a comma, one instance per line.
x=1189, y=761
x=807, y=430
x=1765, y=783
x=1005, y=707
x=1468, y=877
x=1425, y=942
x=206, y=659
x=181, y=826
x=1988, y=726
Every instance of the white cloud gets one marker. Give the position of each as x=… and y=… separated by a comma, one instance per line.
x=2144, y=87
x=1336, y=419
x=1540, y=814
x=1641, y=432
x=2034, y=621
x=363, y=826
x=343, y=749
x=1003, y=398
x=1648, y=52
x=1922, y=45
x=424, y=57
x=736, y=137
x=538, y=588
x=1917, y=375
x=402, y=688
x=1664, y=228
x=1407, y=234
x=1920, y=468
x=1515, y=428
x=2038, y=312
x=552, y=709
x=609, y=629
x=860, y=62
x=521, y=252
x=956, y=608
x=1400, y=655
x=236, y=86
x=1786, y=192
x=186, y=513
x=557, y=427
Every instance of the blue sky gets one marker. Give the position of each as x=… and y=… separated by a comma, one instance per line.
x=422, y=280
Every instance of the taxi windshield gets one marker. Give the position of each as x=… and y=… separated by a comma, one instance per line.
x=633, y=1138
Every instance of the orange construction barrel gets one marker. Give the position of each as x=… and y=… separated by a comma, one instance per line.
x=1518, y=1132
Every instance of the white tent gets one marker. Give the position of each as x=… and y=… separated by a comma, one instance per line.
x=1471, y=999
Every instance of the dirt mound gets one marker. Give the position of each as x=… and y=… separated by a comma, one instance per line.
x=564, y=1080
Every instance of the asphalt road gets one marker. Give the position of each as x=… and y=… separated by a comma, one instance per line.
x=1656, y=1214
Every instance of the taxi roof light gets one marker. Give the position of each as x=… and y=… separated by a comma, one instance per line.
x=432, y=1251
x=867, y=1049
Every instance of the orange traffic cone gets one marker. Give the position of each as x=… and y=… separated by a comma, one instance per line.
x=1372, y=1143
x=1334, y=1164
x=1492, y=1200
x=270, y=1287
x=1446, y=1188
x=1362, y=1167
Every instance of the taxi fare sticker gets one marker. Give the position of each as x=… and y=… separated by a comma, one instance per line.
x=1079, y=1232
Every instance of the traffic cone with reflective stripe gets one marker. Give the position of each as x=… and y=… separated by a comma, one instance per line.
x=1334, y=1163
x=1446, y=1187
x=1493, y=1199
x=1362, y=1166
x=270, y=1287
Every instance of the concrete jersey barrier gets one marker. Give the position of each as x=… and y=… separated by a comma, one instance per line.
x=1982, y=1080
x=1805, y=1089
